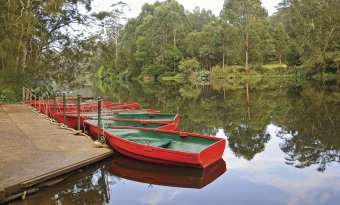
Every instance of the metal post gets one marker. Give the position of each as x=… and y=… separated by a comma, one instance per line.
x=47, y=104
x=26, y=95
x=99, y=118
x=64, y=108
x=78, y=110
x=35, y=101
x=40, y=99
x=30, y=97
x=54, y=105
x=23, y=95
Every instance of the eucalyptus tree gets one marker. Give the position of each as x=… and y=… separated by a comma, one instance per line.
x=249, y=17
x=314, y=25
x=156, y=38
x=200, y=17
x=34, y=34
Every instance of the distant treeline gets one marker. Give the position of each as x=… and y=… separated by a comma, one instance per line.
x=165, y=38
x=57, y=40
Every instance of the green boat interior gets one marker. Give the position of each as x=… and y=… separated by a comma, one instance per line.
x=107, y=123
x=171, y=141
x=141, y=116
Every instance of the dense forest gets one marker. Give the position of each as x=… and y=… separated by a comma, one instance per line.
x=56, y=40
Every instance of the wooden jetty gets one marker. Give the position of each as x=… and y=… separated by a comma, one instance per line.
x=33, y=151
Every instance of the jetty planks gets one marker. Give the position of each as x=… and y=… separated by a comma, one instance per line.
x=32, y=150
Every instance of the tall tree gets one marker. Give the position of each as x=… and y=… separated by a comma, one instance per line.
x=250, y=18
x=315, y=27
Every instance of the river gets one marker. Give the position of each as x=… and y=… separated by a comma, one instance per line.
x=283, y=147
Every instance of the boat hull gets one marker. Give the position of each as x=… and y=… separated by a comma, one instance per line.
x=42, y=104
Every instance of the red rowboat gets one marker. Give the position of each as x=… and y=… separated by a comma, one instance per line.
x=166, y=147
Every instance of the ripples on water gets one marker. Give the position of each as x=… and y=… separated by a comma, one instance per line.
x=283, y=148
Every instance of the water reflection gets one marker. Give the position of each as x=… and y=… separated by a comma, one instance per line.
x=244, y=110
x=93, y=184
x=314, y=124
x=90, y=185
x=154, y=174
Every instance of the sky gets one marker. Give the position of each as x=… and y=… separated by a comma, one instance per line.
x=214, y=5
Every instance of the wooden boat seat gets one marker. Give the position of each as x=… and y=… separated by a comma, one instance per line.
x=161, y=143
x=157, y=143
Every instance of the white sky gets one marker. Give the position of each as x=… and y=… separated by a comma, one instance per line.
x=214, y=5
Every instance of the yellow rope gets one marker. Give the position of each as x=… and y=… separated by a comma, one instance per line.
x=61, y=125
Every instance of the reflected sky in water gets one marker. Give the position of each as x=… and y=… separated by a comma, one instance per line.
x=279, y=151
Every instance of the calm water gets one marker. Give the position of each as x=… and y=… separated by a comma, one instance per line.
x=283, y=148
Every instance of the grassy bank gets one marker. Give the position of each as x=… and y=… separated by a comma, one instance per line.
x=268, y=71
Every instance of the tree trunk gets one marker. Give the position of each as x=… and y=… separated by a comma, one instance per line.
x=280, y=59
x=247, y=50
x=24, y=56
x=223, y=56
x=175, y=37
x=116, y=41
x=246, y=14
x=337, y=75
x=248, y=101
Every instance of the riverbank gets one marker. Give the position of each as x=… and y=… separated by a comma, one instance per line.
x=238, y=73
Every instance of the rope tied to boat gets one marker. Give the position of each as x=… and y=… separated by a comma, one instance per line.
x=61, y=125
x=97, y=143
x=100, y=144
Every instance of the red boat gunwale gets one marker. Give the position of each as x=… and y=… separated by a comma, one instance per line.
x=84, y=106
x=93, y=129
x=72, y=118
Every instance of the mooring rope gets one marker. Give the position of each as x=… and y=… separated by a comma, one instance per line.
x=74, y=132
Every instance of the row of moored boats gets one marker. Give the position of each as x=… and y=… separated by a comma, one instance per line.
x=144, y=134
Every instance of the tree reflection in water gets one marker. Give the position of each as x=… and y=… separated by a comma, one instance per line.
x=245, y=109
x=314, y=120
x=91, y=185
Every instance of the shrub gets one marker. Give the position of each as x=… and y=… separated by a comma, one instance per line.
x=189, y=65
x=7, y=96
x=217, y=72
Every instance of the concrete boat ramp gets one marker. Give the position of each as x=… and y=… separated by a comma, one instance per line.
x=33, y=151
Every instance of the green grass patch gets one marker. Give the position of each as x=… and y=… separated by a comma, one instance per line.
x=325, y=77
x=274, y=66
x=178, y=78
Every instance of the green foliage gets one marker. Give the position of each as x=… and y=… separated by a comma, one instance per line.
x=38, y=40
x=171, y=76
x=13, y=81
x=203, y=77
x=313, y=24
x=165, y=36
x=249, y=17
x=217, y=72
x=153, y=70
x=273, y=69
x=189, y=65
x=43, y=89
x=7, y=96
